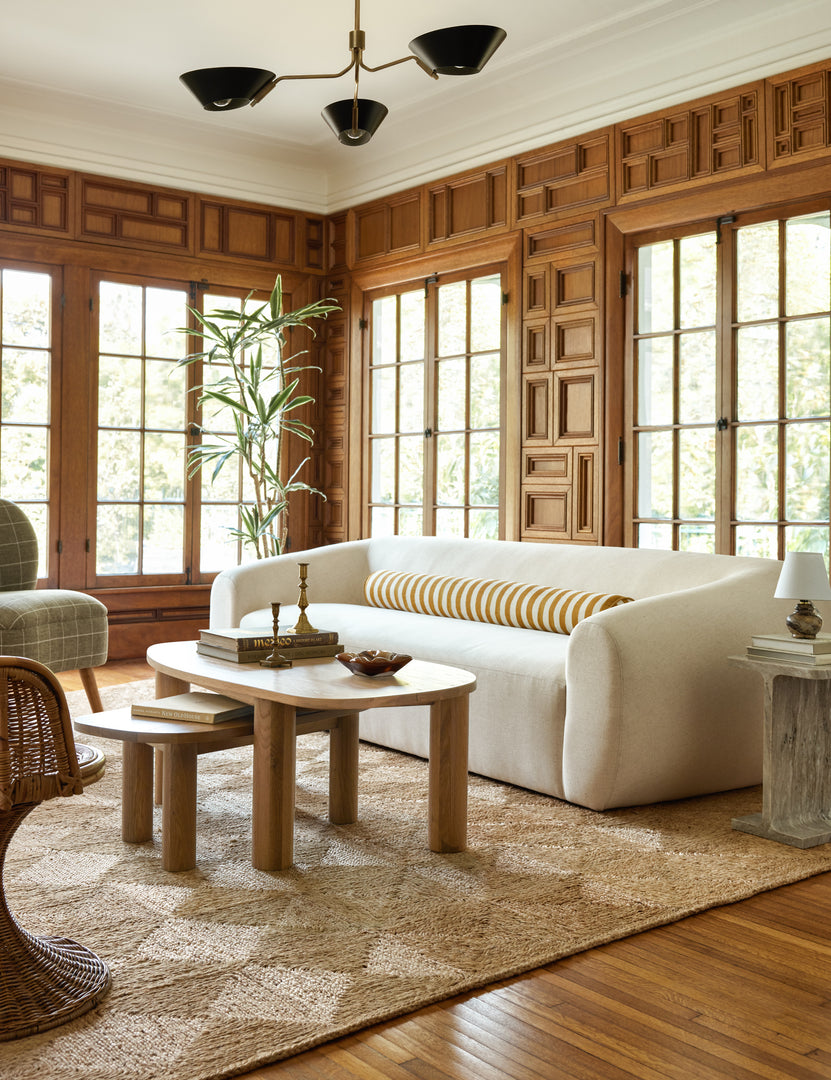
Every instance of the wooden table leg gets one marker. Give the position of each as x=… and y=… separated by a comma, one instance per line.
x=343, y=770
x=272, y=818
x=168, y=685
x=179, y=807
x=137, y=793
x=447, y=800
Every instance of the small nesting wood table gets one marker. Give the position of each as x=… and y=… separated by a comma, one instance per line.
x=796, y=771
x=281, y=696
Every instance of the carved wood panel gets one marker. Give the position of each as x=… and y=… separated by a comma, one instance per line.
x=315, y=250
x=473, y=203
x=35, y=198
x=536, y=396
x=559, y=179
x=535, y=346
x=546, y=515
x=577, y=407
x=799, y=116
x=535, y=292
x=391, y=227
x=585, y=502
x=574, y=286
x=544, y=467
x=125, y=213
x=250, y=233
x=574, y=340
x=714, y=138
x=559, y=240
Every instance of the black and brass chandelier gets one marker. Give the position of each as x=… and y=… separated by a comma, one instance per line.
x=454, y=50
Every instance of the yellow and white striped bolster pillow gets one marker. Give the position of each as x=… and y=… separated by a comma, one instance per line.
x=508, y=603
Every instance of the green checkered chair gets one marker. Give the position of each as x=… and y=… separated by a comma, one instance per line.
x=65, y=630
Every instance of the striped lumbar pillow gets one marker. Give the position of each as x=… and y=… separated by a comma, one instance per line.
x=509, y=603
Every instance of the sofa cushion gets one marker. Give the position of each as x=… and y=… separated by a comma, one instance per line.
x=506, y=603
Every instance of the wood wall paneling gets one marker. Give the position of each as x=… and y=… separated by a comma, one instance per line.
x=798, y=115
x=472, y=203
x=389, y=228
x=122, y=213
x=586, y=497
x=546, y=515
x=536, y=349
x=35, y=198
x=537, y=414
x=249, y=234
x=560, y=179
x=577, y=408
x=561, y=240
x=541, y=467
x=574, y=340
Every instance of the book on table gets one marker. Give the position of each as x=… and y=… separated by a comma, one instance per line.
x=200, y=706
x=821, y=644
x=806, y=659
x=241, y=639
x=252, y=656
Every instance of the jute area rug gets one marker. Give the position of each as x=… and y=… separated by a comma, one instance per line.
x=225, y=968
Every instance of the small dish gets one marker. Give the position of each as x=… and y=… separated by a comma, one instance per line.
x=373, y=662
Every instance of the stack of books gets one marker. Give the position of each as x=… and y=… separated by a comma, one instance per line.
x=251, y=646
x=200, y=706
x=813, y=651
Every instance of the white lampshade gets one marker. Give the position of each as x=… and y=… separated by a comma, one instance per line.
x=803, y=577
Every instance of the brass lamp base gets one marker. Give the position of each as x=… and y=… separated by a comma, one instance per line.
x=804, y=621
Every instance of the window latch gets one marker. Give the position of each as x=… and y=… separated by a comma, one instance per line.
x=428, y=433
x=723, y=424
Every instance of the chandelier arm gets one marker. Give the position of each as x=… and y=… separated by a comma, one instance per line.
x=392, y=63
x=282, y=78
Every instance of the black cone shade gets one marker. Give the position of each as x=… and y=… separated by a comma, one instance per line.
x=458, y=50
x=338, y=116
x=224, y=88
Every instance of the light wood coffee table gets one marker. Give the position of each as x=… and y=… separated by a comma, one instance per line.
x=326, y=687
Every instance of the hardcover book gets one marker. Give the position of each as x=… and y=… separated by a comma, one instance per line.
x=200, y=706
x=808, y=659
x=244, y=640
x=787, y=643
x=252, y=656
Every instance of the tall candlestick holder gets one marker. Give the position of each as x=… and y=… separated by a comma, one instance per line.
x=303, y=626
x=275, y=659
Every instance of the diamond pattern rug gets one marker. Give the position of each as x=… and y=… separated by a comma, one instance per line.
x=224, y=968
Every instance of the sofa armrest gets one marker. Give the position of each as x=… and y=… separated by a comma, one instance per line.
x=650, y=695
x=336, y=576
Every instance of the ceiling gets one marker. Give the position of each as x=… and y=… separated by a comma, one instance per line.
x=93, y=85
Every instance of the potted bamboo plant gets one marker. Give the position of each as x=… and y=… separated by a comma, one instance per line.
x=263, y=398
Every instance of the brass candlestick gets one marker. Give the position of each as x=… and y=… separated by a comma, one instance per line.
x=276, y=659
x=303, y=626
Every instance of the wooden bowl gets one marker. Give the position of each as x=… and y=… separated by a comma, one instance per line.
x=373, y=662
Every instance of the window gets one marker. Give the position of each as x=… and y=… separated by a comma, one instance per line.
x=729, y=388
x=435, y=402
x=26, y=378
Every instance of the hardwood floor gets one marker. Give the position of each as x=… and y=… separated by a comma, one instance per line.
x=736, y=993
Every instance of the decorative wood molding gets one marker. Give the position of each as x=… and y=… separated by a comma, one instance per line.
x=35, y=198
x=473, y=203
x=559, y=179
x=798, y=115
x=121, y=213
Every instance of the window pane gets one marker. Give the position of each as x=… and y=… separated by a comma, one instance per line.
x=757, y=259
x=807, y=538
x=384, y=322
x=655, y=288
x=485, y=313
x=164, y=467
x=411, y=397
x=383, y=470
x=411, y=470
x=117, y=539
x=484, y=469
x=652, y=535
x=655, y=474
x=697, y=538
x=165, y=394
x=26, y=314
x=383, y=400
x=217, y=548
x=654, y=360
x=484, y=391
x=382, y=521
x=450, y=470
x=759, y=541
x=697, y=270
x=758, y=373
x=808, y=256
x=452, y=317
x=120, y=318
x=163, y=542
x=165, y=313
x=450, y=522
x=119, y=391
x=757, y=473
x=807, y=381
x=25, y=386
x=119, y=465
x=807, y=470
x=24, y=463
x=412, y=325
x=697, y=378
x=452, y=376
x=483, y=524
x=410, y=521
x=226, y=486
x=697, y=473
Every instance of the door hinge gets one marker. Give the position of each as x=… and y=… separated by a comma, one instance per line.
x=722, y=424
x=505, y=298
x=59, y=547
x=91, y=305
x=621, y=451
x=725, y=219
x=428, y=433
x=87, y=545
x=363, y=324
x=187, y=575
x=433, y=279
x=623, y=284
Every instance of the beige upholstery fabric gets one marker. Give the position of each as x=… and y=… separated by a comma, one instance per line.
x=506, y=603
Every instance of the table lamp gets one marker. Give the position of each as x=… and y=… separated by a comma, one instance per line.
x=803, y=575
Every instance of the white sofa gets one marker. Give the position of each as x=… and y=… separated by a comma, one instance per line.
x=637, y=705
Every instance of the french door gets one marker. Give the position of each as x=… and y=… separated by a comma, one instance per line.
x=435, y=401
x=728, y=388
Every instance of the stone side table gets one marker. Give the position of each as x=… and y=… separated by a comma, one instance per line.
x=796, y=775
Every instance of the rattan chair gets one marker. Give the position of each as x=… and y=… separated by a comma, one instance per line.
x=44, y=981
x=63, y=629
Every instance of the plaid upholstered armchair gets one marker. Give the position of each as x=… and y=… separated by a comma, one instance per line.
x=65, y=630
